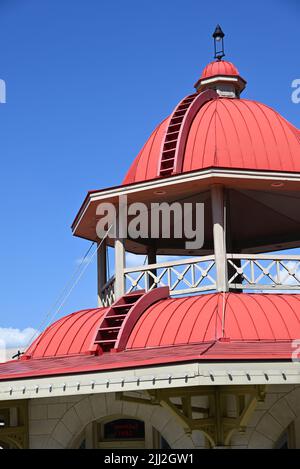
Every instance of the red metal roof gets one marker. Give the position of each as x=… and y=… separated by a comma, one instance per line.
x=227, y=133
x=256, y=326
x=71, y=335
x=197, y=319
x=178, y=321
x=219, y=67
x=216, y=351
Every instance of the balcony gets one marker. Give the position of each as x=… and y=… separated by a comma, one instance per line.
x=244, y=272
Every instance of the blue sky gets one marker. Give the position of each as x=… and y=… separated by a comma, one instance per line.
x=87, y=81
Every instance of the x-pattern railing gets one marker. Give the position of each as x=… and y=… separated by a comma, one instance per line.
x=192, y=275
x=108, y=292
x=260, y=271
x=182, y=276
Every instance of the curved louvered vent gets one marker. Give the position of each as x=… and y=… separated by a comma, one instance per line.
x=121, y=317
x=167, y=162
x=173, y=146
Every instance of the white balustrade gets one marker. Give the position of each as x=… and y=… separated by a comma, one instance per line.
x=108, y=292
x=263, y=272
x=192, y=275
x=181, y=276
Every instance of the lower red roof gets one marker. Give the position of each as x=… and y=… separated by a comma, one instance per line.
x=181, y=321
x=208, y=351
x=214, y=327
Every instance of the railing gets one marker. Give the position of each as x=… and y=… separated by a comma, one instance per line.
x=107, y=296
x=192, y=275
x=181, y=276
x=263, y=272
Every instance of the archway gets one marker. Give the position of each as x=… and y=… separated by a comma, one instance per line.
x=100, y=407
x=275, y=428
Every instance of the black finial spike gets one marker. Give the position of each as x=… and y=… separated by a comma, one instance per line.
x=218, y=32
x=218, y=36
x=17, y=355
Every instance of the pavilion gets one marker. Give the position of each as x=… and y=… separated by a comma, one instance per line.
x=195, y=348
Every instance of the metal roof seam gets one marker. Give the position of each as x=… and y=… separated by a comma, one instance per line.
x=216, y=159
x=91, y=333
x=249, y=315
x=213, y=314
x=170, y=304
x=71, y=326
x=173, y=313
x=225, y=107
x=204, y=108
x=208, y=129
x=35, y=345
x=268, y=298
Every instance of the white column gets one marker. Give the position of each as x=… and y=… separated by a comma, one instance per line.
x=218, y=217
x=119, y=256
x=101, y=270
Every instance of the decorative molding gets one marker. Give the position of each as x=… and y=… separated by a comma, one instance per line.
x=214, y=419
x=160, y=183
x=153, y=377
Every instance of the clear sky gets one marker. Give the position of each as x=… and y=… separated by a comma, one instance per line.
x=87, y=81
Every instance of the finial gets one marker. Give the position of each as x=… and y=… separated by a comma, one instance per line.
x=17, y=355
x=218, y=36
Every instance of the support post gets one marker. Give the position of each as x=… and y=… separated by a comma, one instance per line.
x=101, y=270
x=218, y=217
x=119, y=256
x=152, y=260
x=230, y=248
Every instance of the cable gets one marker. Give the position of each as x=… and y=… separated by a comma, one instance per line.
x=66, y=292
x=107, y=264
x=41, y=325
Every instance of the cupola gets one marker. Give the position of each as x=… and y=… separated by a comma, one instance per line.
x=223, y=77
x=220, y=75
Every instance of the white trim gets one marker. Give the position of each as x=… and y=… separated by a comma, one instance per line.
x=261, y=257
x=183, y=178
x=157, y=377
x=187, y=261
x=218, y=78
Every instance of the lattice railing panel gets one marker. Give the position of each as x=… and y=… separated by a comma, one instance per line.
x=188, y=276
x=108, y=293
x=267, y=272
x=183, y=276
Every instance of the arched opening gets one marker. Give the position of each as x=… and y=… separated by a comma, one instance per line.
x=287, y=438
x=121, y=432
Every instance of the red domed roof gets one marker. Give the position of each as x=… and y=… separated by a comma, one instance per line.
x=255, y=327
x=219, y=67
x=227, y=133
x=198, y=319
x=72, y=334
x=181, y=321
